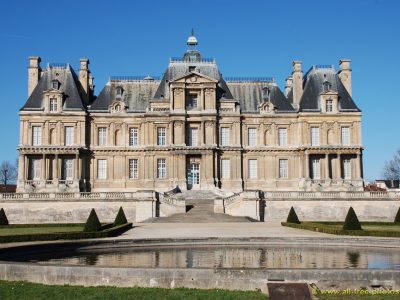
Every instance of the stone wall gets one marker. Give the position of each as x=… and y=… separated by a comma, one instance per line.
x=231, y=279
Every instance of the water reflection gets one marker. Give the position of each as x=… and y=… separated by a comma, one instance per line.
x=265, y=257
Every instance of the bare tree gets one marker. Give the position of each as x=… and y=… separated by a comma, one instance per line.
x=8, y=173
x=391, y=170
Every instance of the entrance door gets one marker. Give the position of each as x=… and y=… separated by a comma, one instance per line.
x=193, y=175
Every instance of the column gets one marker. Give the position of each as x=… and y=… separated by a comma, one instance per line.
x=202, y=133
x=43, y=168
x=21, y=167
x=338, y=167
x=327, y=166
x=76, y=167
x=307, y=166
x=359, y=166
x=55, y=175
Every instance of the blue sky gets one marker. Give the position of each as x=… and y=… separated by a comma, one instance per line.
x=247, y=38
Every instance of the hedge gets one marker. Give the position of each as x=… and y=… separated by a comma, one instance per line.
x=109, y=232
x=324, y=228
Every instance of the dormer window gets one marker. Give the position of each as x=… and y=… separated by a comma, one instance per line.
x=266, y=92
x=119, y=91
x=55, y=84
x=53, y=105
x=327, y=86
x=192, y=68
x=329, y=105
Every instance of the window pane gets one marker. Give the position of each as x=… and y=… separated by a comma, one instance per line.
x=161, y=168
x=224, y=136
x=252, y=168
x=161, y=136
x=68, y=135
x=35, y=168
x=345, y=136
x=133, y=137
x=67, y=170
x=102, y=138
x=101, y=169
x=329, y=105
x=283, y=168
x=193, y=137
x=53, y=104
x=133, y=169
x=315, y=170
x=225, y=168
x=192, y=101
x=252, y=136
x=282, y=136
x=36, y=135
x=314, y=136
x=347, y=168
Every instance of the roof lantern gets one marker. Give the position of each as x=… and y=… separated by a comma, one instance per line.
x=192, y=41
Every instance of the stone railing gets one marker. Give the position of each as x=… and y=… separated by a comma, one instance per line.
x=168, y=199
x=139, y=195
x=231, y=199
x=329, y=195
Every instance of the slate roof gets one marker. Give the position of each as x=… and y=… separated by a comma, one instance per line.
x=136, y=94
x=69, y=85
x=250, y=95
x=313, y=86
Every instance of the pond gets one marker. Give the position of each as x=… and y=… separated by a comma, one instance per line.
x=222, y=256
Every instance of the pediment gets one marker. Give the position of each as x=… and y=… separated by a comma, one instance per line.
x=194, y=77
x=266, y=107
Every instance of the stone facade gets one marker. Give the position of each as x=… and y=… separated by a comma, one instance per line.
x=191, y=128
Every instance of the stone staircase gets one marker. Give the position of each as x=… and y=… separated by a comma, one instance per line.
x=199, y=209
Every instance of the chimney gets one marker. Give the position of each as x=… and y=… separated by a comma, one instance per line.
x=345, y=74
x=84, y=76
x=33, y=73
x=289, y=85
x=297, y=77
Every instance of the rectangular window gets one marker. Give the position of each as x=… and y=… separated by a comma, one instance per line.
x=253, y=168
x=225, y=168
x=193, y=135
x=161, y=168
x=224, y=136
x=133, y=169
x=102, y=136
x=36, y=135
x=347, y=168
x=192, y=101
x=68, y=135
x=314, y=136
x=315, y=169
x=101, y=169
x=161, y=136
x=252, y=136
x=345, y=136
x=133, y=137
x=53, y=104
x=283, y=169
x=67, y=169
x=282, y=136
x=329, y=105
x=35, y=169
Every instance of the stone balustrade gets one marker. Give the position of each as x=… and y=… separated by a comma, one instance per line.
x=139, y=195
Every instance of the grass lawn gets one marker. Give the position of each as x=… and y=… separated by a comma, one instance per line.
x=26, y=290
x=38, y=229
x=368, y=228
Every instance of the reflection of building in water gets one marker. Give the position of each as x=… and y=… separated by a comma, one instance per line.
x=275, y=257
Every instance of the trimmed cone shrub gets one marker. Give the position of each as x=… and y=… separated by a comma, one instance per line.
x=292, y=217
x=120, y=219
x=396, y=218
x=92, y=223
x=351, y=222
x=3, y=217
